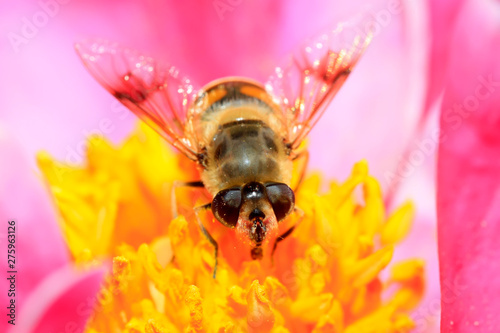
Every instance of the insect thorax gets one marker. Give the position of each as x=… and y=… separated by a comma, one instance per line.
x=245, y=151
x=244, y=139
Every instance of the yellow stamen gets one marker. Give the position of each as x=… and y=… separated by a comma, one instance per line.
x=326, y=274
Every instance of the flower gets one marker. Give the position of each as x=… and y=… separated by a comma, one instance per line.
x=49, y=292
x=326, y=275
x=190, y=35
x=373, y=117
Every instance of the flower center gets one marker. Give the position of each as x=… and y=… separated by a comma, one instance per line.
x=325, y=276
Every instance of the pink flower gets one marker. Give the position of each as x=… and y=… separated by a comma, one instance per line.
x=49, y=294
x=469, y=172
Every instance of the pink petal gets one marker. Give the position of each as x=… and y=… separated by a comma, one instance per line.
x=63, y=302
x=443, y=14
x=469, y=174
x=39, y=246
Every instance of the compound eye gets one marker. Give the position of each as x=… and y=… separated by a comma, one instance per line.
x=282, y=199
x=226, y=206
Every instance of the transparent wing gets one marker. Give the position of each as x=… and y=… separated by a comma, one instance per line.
x=306, y=85
x=157, y=94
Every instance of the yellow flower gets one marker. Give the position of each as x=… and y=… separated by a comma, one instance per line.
x=326, y=275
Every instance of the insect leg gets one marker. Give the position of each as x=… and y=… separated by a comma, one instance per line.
x=173, y=196
x=287, y=233
x=302, y=158
x=212, y=241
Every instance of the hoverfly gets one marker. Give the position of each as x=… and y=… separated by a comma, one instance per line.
x=243, y=135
